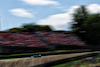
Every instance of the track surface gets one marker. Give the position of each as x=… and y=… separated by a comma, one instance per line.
x=27, y=62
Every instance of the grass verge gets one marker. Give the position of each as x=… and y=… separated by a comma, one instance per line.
x=48, y=52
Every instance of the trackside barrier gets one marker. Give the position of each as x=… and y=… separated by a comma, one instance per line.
x=65, y=60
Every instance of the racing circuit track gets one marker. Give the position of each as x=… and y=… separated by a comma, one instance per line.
x=28, y=62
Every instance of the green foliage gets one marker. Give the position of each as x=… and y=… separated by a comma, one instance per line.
x=92, y=28
x=32, y=28
x=80, y=16
x=87, y=26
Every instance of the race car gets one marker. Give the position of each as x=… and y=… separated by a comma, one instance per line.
x=37, y=55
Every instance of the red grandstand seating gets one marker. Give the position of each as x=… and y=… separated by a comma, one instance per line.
x=31, y=40
x=16, y=39
x=61, y=38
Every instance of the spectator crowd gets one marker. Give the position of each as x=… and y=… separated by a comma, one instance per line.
x=16, y=39
x=32, y=40
x=61, y=38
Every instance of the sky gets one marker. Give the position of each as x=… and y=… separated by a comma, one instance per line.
x=56, y=13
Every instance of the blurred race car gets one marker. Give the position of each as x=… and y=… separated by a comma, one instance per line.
x=37, y=55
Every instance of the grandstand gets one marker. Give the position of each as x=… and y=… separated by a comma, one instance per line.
x=39, y=39
x=25, y=40
x=61, y=38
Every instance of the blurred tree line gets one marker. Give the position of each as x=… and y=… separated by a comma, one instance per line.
x=86, y=25
x=31, y=28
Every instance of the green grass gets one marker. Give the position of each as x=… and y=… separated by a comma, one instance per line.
x=8, y=58
x=69, y=64
x=72, y=63
x=48, y=52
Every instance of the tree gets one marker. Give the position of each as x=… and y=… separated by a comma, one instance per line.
x=14, y=30
x=87, y=26
x=31, y=28
x=80, y=16
x=92, y=28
